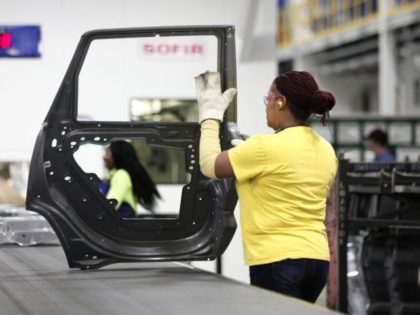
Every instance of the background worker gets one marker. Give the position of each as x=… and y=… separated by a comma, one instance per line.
x=283, y=180
x=129, y=182
x=377, y=141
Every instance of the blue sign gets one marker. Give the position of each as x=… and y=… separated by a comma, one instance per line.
x=20, y=41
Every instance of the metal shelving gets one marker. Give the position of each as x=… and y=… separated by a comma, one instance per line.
x=347, y=135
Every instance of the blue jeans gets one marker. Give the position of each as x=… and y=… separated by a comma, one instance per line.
x=300, y=278
x=126, y=211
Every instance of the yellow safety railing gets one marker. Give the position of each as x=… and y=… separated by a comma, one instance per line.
x=403, y=6
x=303, y=21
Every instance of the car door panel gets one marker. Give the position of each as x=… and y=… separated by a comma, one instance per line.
x=89, y=228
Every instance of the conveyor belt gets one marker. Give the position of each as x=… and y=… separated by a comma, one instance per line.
x=37, y=280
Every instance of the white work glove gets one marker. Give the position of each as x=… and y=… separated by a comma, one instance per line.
x=236, y=142
x=211, y=102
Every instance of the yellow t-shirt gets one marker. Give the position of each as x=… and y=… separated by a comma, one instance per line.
x=283, y=181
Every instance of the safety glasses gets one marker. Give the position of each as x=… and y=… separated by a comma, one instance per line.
x=269, y=98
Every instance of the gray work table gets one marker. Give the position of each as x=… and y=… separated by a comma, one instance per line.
x=37, y=280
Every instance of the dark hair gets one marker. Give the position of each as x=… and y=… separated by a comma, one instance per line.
x=303, y=95
x=379, y=137
x=144, y=188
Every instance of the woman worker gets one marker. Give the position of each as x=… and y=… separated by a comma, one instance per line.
x=129, y=182
x=282, y=179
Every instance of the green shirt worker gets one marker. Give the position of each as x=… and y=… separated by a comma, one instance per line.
x=129, y=182
x=282, y=179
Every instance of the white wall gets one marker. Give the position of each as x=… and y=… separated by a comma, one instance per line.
x=28, y=86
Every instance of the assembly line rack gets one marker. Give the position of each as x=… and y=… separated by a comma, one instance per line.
x=380, y=204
